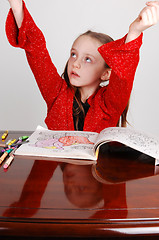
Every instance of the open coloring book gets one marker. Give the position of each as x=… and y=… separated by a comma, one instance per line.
x=48, y=144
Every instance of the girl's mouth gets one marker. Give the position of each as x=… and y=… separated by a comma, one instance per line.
x=74, y=74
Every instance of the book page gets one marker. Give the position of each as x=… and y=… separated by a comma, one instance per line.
x=133, y=138
x=62, y=144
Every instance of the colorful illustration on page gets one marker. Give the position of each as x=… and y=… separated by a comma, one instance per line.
x=60, y=143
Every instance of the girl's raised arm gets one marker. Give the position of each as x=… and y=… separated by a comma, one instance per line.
x=17, y=8
x=148, y=17
x=30, y=38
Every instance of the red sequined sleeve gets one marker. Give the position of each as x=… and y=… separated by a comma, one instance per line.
x=123, y=59
x=30, y=38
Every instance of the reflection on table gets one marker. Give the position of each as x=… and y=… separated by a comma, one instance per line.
x=80, y=188
x=120, y=190
x=118, y=163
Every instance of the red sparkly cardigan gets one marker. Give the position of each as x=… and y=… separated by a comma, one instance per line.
x=106, y=104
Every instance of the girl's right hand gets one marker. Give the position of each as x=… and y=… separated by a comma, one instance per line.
x=17, y=8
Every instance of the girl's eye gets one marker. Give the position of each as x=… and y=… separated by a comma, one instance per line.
x=88, y=60
x=73, y=55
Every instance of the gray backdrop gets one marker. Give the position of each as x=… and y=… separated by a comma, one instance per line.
x=22, y=107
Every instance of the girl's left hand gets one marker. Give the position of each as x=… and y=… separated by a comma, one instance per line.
x=148, y=17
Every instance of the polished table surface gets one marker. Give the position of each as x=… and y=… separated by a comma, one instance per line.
x=114, y=198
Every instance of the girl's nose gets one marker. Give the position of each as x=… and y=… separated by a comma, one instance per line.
x=77, y=63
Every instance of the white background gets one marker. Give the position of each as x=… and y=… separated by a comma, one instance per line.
x=22, y=107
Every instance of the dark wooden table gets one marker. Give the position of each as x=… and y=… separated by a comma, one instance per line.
x=117, y=197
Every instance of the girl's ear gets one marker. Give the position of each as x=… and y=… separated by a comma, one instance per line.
x=106, y=74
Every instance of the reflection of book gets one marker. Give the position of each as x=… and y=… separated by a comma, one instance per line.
x=49, y=144
x=119, y=163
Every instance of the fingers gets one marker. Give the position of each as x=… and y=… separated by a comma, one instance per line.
x=148, y=17
x=150, y=14
x=152, y=3
x=154, y=6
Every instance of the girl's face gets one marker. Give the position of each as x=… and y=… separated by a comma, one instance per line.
x=86, y=67
x=80, y=186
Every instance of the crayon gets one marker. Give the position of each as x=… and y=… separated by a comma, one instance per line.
x=19, y=143
x=3, y=145
x=4, y=135
x=6, y=149
x=11, y=142
x=23, y=138
x=5, y=154
x=9, y=160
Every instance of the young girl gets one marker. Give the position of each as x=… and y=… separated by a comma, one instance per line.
x=76, y=101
